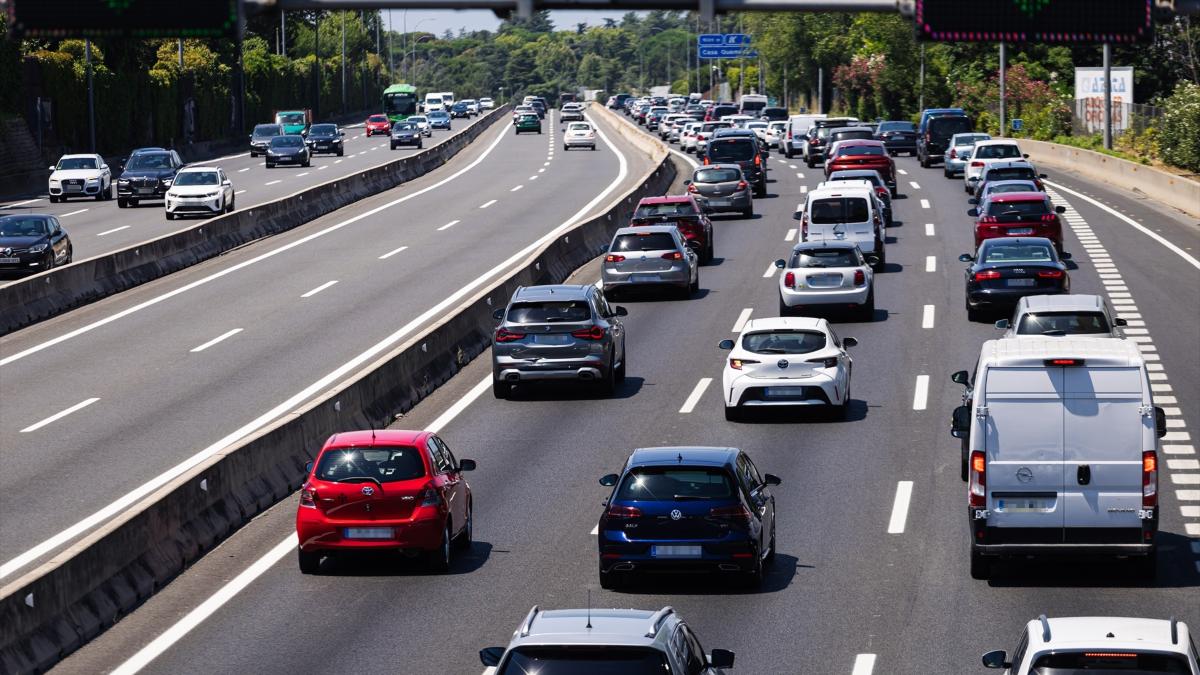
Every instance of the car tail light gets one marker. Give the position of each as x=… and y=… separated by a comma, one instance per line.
x=757, y=160
x=308, y=496
x=430, y=497
x=789, y=134
x=976, y=164
x=1149, y=478
x=742, y=185
x=737, y=364
x=614, y=257
x=593, y=333
x=706, y=160
x=860, y=277
x=506, y=335
x=977, y=490
x=673, y=255
x=736, y=512
x=789, y=280
x=692, y=188
x=1050, y=274
x=953, y=153
x=928, y=137
x=987, y=275
x=881, y=191
x=624, y=512
x=989, y=219
x=1049, y=218
x=830, y=362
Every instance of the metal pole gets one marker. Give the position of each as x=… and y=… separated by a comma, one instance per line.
x=1003, y=67
x=404, y=43
x=1108, y=96
x=343, y=61
x=181, y=53
x=283, y=32
x=91, y=103
x=785, y=86
x=317, y=64
x=391, y=61
x=239, y=75
x=820, y=90
x=921, y=94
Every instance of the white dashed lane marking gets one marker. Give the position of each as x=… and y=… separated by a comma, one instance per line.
x=924, y=203
x=318, y=289
x=742, y=319
x=900, y=507
x=929, y=230
x=487, y=204
x=931, y=263
x=393, y=252
x=219, y=338
x=449, y=225
x=59, y=415
x=73, y=213
x=927, y=317
x=693, y=398
x=115, y=229
x=921, y=393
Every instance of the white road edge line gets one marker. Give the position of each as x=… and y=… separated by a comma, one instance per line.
x=693, y=398
x=921, y=393
x=59, y=415
x=318, y=289
x=223, y=336
x=900, y=507
x=27, y=201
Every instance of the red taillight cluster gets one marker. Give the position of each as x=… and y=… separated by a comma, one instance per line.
x=860, y=277
x=987, y=275
x=953, y=153
x=735, y=512
x=673, y=255
x=308, y=496
x=693, y=189
x=506, y=335
x=430, y=497
x=977, y=488
x=789, y=280
x=1050, y=274
x=614, y=257
x=976, y=165
x=593, y=333
x=1049, y=218
x=830, y=362
x=624, y=512
x=881, y=191
x=1149, y=479
x=757, y=160
x=989, y=219
x=738, y=364
x=742, y=185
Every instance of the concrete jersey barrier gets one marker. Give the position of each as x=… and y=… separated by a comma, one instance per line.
x=48, y=294
x=53, y=610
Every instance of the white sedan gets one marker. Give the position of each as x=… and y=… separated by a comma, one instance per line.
x=80, y=176
x=787, y=361
x=579, y=135
x=205, y=190
x=826, y=273
x=486, y=103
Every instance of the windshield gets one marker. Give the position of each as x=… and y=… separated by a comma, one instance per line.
x=1037, y=208
x=1108, y=661
x=784, y=341
x=897, y=126
x=647, y=241
x=322, y=130
x=78, y=163
x=438, y=115
x=670, y=209
x=150, y=160
x=264, y=130
x=287, y=142
x=197, y=178
x=948, y=126
x=839, y=210
x=416, y=119
x=717, y=175
x=825, y=257
x=21, y=226
x=585, y=660
x=403, y=103
x=377, y=118
x=563, y=311
x=404, y=126
x=1003, y=151
x=671, y=483
x=1022, y=253
x=860, y=150
x=386, y=464
x=731, y=150
x=291, y=118
x=1067, y=323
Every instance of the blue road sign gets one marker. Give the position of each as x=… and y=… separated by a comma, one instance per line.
x=714, y=39
x=737, y=39
x=727, y=53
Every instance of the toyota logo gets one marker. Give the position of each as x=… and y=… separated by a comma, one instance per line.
x=1024, y=474
x=676, y=514
x=783, y=363
x=368, y=490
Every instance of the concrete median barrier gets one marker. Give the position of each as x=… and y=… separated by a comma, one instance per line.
x=48, y=294
x=54, y=609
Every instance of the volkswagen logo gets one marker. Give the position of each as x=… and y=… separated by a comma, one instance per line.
x=1024, y=474
x=782, y=363
x=368, y=490
x=676, y=514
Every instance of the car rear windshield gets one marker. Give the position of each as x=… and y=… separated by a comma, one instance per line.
x=559, y=311
x=1109, y=661
x=839, y=210
x=668, y=209
x=1012, y=252
x=860, y=150
x=713, y=126
x=23, y=226
x=825, y=257
x=1011, y=173
x=672, y=483
x=292, y=118
x=722, y=110
x=948, y=126
x=385, y=464
x=717, y=175
x=1067, y=323
x=897, y=126
x=864, y=133
x=648, y=241
x=1026, y=186
x=731, y=150
x=784, y=341
x=585, y=660
x=1031, y=208
x=971, y=139
x=150, y=160
x=579, y=126
x=1002, y=151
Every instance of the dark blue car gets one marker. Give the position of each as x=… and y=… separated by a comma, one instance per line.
x=687, y=509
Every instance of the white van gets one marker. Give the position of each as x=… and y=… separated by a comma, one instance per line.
x=845, y=211
x=434, y=101
x=1060, y=450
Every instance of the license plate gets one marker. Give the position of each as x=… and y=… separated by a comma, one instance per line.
x=557, y=339
x=145, y=191
x=644, y=278
x=1024, y=505
x=284, y=159
x=676, y=551
x=783, y=392
x=73, y=188
x=369, y=533
x=718, y=202
x=9, y=261
x=1020, y=282
x=825, y=280
x=1020, y=231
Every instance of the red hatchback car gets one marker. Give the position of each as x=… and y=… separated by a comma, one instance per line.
x=384, y=491
x=1018, y=214
x=862, y=154
x=378, y=124
x=682, y=211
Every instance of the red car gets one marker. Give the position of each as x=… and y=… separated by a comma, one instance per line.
x=1018, y=214
x=378, y=124
x=862, y=154
x=384, y=490
x=683, y=212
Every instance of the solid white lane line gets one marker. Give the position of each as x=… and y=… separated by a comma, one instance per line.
x=921, y=393
x=206, y=345
x=300, y=175
x=693, y=398
x=927, y=317
x=449, y=225
x=27, y=201
x=900, y=507
x=115, y=229
x=931, y=263
x=243, y=170
x=272, y=182
x=59, y=415
x=924, y=203
x=743, y=317
x=929, y=231
x=318, y=289
x=915, y=185
x=770, y=271
x=516, y=188
x=864, y=664
x=791, y=235
x=487, y=204
x=73, y=213
x=460, y=405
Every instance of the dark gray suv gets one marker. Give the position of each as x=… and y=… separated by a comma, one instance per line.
x=558, y=333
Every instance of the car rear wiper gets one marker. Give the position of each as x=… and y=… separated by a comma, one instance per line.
x=355, y=479
x=770, y=350
x=1058, y=332
x=689, y=498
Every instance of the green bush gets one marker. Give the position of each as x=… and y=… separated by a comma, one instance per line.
x=1179, y=137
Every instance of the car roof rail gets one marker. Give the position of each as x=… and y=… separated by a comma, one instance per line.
x=1045, y=627
x=657, y=618
x=1174, y=631
x=527, y=624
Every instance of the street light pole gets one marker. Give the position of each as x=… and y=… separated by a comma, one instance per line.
x=91, y=104
x=343, y=61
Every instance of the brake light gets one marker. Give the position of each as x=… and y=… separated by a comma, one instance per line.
x=1049, y=218
x=953, y=153
x=706, y=160
x=976, y=164
x=308, y=496
x=989, y=219
x=624, y=512
x=830, y=362
x=1050, y=274
x=789, y=280
x=757, y=160
x=430, y=497
x=737, y=364
x=977, y=490
x=593, y=333
x=614, y=257
x=789, y=134
x=987, y=275
x=742, y=185
x=1066, y=363
x=928, y=137
x=1149, y=479
x=692, y=189
x=736, y=512
x=506, y=335
x=673, y=255
x=881, y=191
x=860, y=277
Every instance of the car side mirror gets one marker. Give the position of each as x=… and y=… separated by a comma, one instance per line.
x=772, y=479
x=972, y=200
x=961, y=377
x=960, y=422
x=1025, y=155
x=1065, y=255
x=1002, y=324
x=341, y=133
x=849, y=342
x=974, y=213
x=798, y=215
x=1160, y=422
x=966, y=257
x=466, y=465
x=1060, y=209
x=1120, y=322
x=609, y=480
x=721, y=658
x=226, y=182
x=308, y=467
x=620, y=311
x=1042, y=175
x=725, y=344
x=996, y=659
x=781, y=263
x=52, y=167
x=490, y=656
x=687, y=182
x=498, y=313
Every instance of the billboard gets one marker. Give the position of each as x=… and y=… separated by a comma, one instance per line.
x=1089, y=97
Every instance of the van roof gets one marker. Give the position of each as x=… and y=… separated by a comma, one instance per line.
x=1032, y=351
x=1061, y=303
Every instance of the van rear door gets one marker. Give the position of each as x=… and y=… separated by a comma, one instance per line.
x=1104, y=430
x=1023, y=435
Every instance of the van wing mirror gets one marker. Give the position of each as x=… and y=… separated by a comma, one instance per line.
x=1002, y=324
x=960, y=422
x=1120, y=322
x=798, y=215
x=1060, y=209
x=1160, y=422
x=961, y=377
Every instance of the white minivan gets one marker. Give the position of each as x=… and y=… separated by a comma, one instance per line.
x=1060, y=450
x=434, y=101
x=845, y=211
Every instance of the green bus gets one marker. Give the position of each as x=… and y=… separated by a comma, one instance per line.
x=400, y=101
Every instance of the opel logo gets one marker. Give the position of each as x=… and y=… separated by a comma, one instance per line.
x=676, y=514
x=1024, y=474
x=783, y=363
x=368, y=490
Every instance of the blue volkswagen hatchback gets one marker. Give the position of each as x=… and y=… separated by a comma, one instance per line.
x=687, y=509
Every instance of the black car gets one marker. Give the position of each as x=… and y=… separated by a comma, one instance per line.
x=147, y=174
x=818, y=138
x=939, y=128
x=774, y=114
x=687, y=509
x=460, y=109
x=540, y=106
x=325, y=138
x=898, y=137
x=1005, y=270
x=261, y=137
x=406, y=133
x=288, y=149
x=742, y=148
x=32, y=242
x=720, y=110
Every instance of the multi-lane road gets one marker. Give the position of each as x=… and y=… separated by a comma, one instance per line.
x=872, y=567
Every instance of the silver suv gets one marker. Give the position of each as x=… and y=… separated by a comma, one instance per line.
x=558, y=333
x=650, y=256
x=626, y=641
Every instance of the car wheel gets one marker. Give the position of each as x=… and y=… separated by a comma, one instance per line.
x=787, y=153
x=70, y=255
x=420, y=145
x=946, y=173
x=843, y=409
x=973, y=315
x=393, y=146
x=770, y=559
x=608, y=382
x=784, y=310
x=100, y=196
x=467, y=535
x=867, y=311
x=1147, y=567
x=133, y=203
x=981, y=567
x=501, y=390
x=923, y=161
x=693, y=287
x=965, y=452
x=270, y=166
x=438, y=560
x=760, y=190
x=121, y=203
x=810, y=163
x=611, y=581
x=310, y=562
x=621, y=369
x=566, y=147
x=48, y=264
x=307, y=163
x=753, y=579
x=748, y=213
x=593, y=148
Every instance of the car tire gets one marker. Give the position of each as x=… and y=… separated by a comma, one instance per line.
x=946, y=173
x=607, y=385
x=981, y=566
x=611, y=581
x=310, y=562
x=133, y=203
x=760, y=190
x=49, y=264
x=866, y=313
x=622, y=369
x=393, y=146
x=420, y=145
x=809, y=162
x=438, y=560
x=784, y=310
x=770, y=559
x=973, y=315
x=341, y=153
x=70, y=255
x=501, y=390
x=566, y=147
x=307, y=163
x=463, y=541
x=843, y=409
x=270, y=166
x=593, y=148
x=752, y=581
x=693, y=287
x=748, y=213
x=787, y=153
x=964, y=453
x=121, y=203
x=1147, y=567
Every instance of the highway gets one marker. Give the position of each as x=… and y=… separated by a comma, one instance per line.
x=867, y=579
x=101, y=227
x=142, y=385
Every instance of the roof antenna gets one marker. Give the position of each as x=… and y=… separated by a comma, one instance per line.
x=589, y=617
x=679, y=457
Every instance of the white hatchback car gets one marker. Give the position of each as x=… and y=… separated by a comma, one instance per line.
x=204, y=190
x=984, y=152
x=787, y=361
x=831, y=274
x=1101, y=644
x=80, y=176
x=579, y=135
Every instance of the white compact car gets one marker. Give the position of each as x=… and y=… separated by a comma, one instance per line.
x=486, y=103
x=825, y=273
x=984, y=152
x=759, y=128
x=579, y=135
x=687, y=137
x=204, y=190
x=786, y=361
x=1111, y=644
x=775, y=132
x=80, y=176
x=422, y=123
